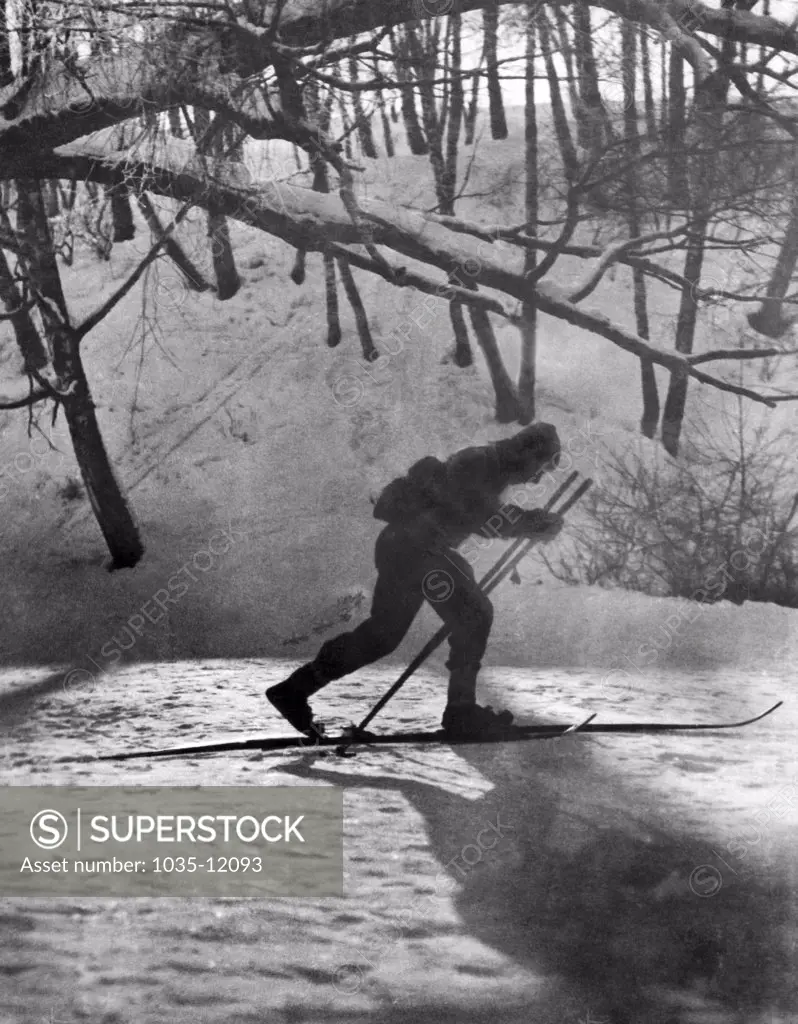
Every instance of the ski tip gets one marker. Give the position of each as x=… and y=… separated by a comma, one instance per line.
x=579, y=725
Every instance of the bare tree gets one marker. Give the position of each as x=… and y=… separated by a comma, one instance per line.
x=648, y=88
x=650, y=415
x=227, y=70
x=490, y=26
x=527, y=375
x=415, y=136
x=769, y=319
x=70, y=387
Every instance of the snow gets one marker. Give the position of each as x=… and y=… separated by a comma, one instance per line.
x=249, y=451
x=593, y=898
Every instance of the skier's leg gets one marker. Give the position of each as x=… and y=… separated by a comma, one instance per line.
x=396, y=601
x=454, y=593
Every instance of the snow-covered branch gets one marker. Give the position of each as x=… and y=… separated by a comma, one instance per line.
x=658, y=16
x=611, y=255
x=316, y=221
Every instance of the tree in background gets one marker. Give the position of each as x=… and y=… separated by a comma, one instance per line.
x=592, y=194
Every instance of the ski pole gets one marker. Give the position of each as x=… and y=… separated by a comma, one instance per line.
x=517, y=544
x=583, y=488
x=492, y=578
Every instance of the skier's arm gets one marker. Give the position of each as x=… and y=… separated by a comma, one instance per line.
x=533, y=523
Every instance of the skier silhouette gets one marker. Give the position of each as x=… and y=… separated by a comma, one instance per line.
x=429, y=512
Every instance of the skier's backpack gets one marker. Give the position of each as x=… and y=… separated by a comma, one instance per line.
x=421, y=489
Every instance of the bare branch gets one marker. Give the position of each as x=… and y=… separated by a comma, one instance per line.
x=404, y=278
x=611, y=255
x=20, y=403
x=20, y=309
x=91, y=321
x=739, y=353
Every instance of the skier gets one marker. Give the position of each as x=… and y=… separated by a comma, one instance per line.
x=429, y=512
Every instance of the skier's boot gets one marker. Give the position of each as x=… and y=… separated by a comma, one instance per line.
x=463, y=716
x=290, y=698
x=473, y=720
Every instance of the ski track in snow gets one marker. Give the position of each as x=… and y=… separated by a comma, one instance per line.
x=583, y=912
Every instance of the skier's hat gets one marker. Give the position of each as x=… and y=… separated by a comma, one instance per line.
x=539, y=440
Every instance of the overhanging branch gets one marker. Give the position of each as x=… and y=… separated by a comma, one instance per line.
x=315, y=221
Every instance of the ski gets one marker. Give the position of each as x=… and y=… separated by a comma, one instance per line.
x=357, y=736
x=513, y=734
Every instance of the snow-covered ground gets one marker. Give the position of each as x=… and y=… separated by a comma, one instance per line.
x=636, y=878
x=249, y=450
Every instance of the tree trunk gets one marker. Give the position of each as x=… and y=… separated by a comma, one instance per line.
x=109, y=506
x=446, y=74
x=471, y=114
x=664, y=114
x=294, y=104
x=461, y=355
x=648, y=88
x=386, y=124
x=760, y=78
x=709, y=108
x=415, y=136
x=567, y=52
x=490, y=27
x=331, y=297
x=769, y=318
x=37, y=254
x=727, y=48
x=34, y=354
x=370, y=353
x=650, y=415
x=508, y=409
x=708, y=130
x=6, y=74
x=362, y=122
x=559, y=116
x=529, y=309
x=107, y=501
x=224, y=265
x=175, y=123
x=455, y=118
x=121, y=214
x=321, y=183
x=678, y=182
x=192, y=275
x=676, y=400
x=50, y=194
x=346, y=128
x=300, y=266
x=595, y=114
x=424, y=62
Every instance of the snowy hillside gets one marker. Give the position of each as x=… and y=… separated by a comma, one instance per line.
x=236, y=415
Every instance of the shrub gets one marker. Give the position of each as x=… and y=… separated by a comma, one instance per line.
x=720, y=523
